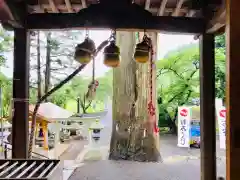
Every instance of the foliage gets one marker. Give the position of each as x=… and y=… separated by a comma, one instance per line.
x=220, y=43
x=62, y=63
x=220, y=67
x=178, y=80
x=61, y=47
x=6, y=86
x=6, y=42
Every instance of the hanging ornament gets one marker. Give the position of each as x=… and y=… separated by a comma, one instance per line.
x=112, y=55
x=84, y=51
x=92, y=88
x=141, y=54
x=96, y=83
x=91, y=92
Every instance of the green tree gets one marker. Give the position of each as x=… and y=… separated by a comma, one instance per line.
x=52, y=57
x=178, y=81
x=220, y=67
x=6, y=42
x=6, y=85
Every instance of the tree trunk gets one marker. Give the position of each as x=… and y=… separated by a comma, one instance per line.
x=39, y=78
x=132, y=135
x=48, y=64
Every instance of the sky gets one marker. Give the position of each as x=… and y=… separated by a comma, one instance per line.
x=166, y=43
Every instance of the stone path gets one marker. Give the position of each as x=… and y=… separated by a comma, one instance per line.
x=178, y=164
x=125, y=170
x=67, y=164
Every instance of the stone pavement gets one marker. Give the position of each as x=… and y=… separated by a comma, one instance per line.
x=67, y=164
x=125, y=170
x=178, y=164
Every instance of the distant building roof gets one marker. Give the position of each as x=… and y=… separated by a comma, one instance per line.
x=51, y=111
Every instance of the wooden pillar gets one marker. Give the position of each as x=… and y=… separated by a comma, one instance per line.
x=207, y=110
x=45, y=135
x=233, y=90
x=20, y=94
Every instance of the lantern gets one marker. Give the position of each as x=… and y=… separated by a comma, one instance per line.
x=84, y=51
x=141, y=54
x=112, y=55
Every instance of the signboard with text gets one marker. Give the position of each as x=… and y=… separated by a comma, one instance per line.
x=184, y=117
x=221, y=118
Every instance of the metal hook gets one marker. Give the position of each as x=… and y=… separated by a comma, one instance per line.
x=87, y=33
x=113, y=35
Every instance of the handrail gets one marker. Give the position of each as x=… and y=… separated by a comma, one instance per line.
x=7, y=148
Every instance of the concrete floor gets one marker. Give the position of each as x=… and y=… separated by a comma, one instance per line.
x=178, y=164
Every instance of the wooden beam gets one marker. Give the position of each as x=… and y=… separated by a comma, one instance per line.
x=207, y=110
x=218, y=20
x=5, y=12
x=17, y=11
x=232, y=89
x=71, y=20
x=20, y=94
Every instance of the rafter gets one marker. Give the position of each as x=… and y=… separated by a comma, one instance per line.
x=53, y=6
x=16, y=12
x=178, y=7
x=162, y=8
x=84, y=4
x=60, y=7
x=69, y=6
x=218, y=21
x=78, y=7
x=147, y=4
x=190, y=13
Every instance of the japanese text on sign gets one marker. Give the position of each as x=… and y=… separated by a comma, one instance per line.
x=183, y=126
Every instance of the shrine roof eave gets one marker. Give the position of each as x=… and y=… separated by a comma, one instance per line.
x=166, y=15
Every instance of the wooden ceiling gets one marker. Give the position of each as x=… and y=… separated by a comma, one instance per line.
x=172, y=15
x=187, y=8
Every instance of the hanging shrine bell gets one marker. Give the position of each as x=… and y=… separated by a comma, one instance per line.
x=142, y=50
x=112, y=55
x=84, y=51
